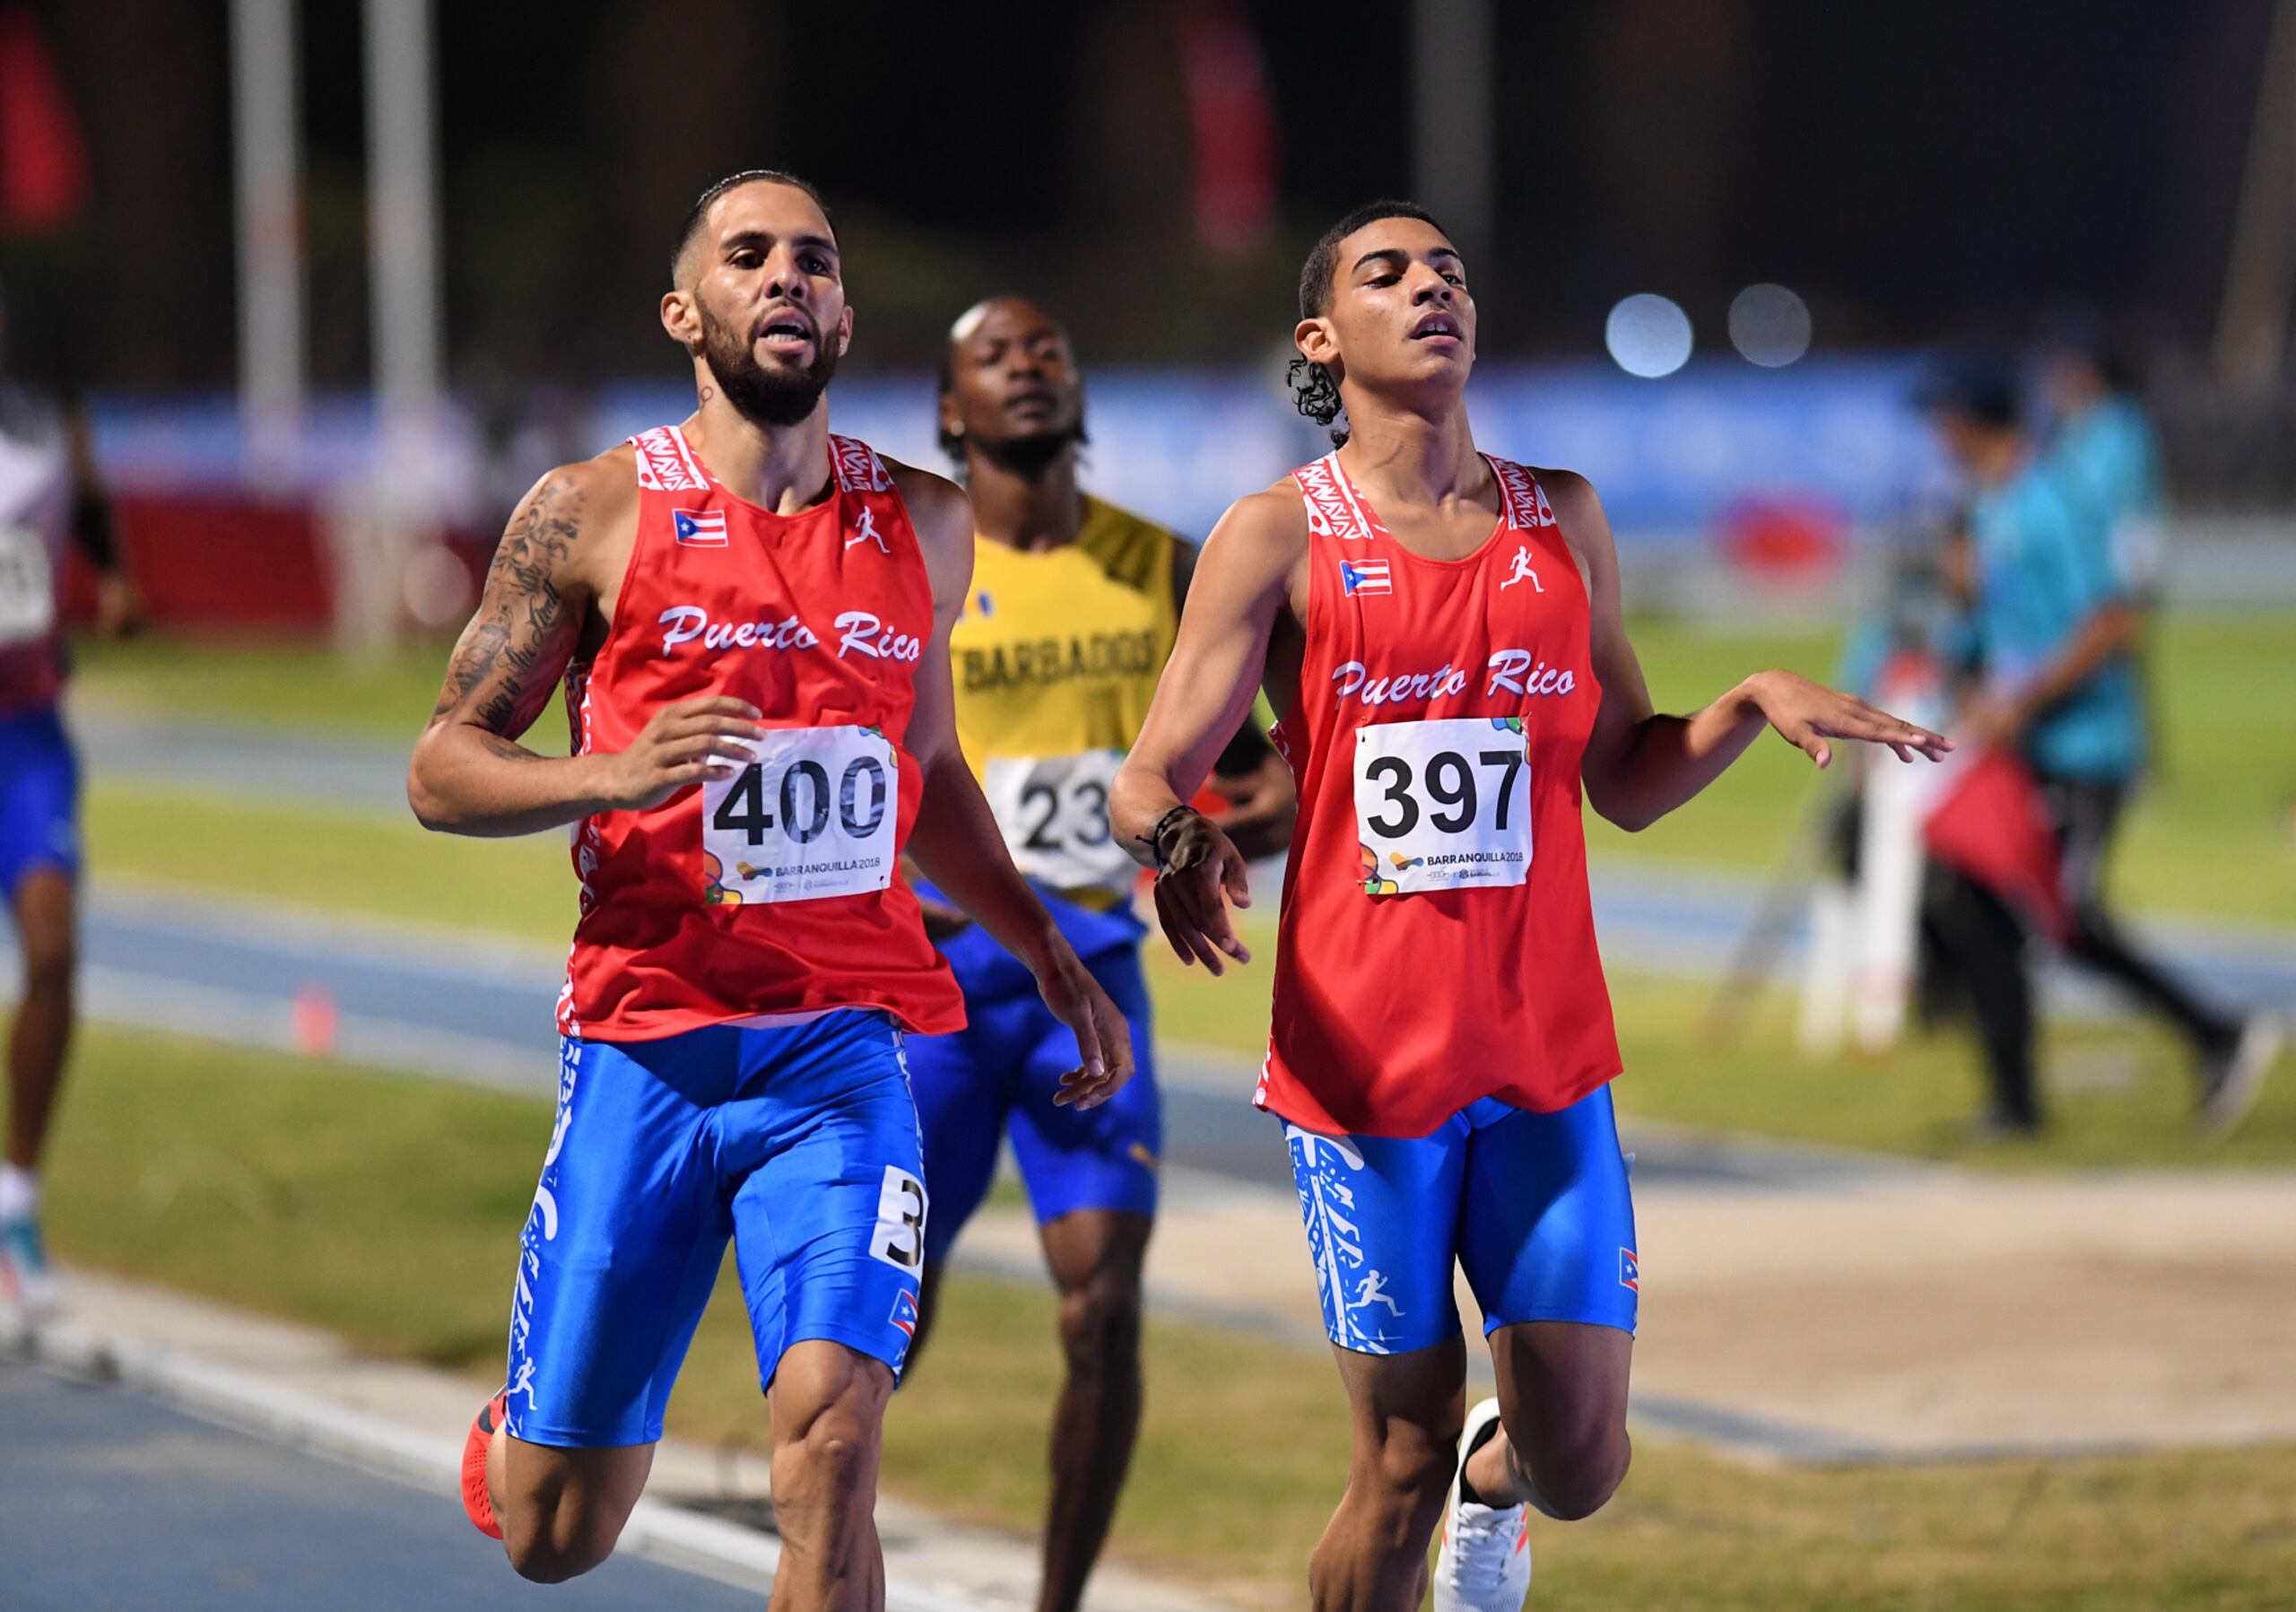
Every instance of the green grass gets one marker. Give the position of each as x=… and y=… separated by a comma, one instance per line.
x=2209, y=838
x=2130, y=1105
x=2120, y=1095
x=385, y=697
x=2211, y=835
x=345, y=861
x=387, y=1210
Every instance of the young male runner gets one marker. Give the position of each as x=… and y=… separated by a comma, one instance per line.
x=751, y=616
x=1440, y=633
x=1055, y=655
x=49, y=497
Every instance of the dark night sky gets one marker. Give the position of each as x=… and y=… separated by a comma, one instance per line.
x=1916, y=172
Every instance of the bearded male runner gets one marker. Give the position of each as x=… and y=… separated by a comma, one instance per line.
x=1439, y=631
x=1056, y=651
x=751, y=616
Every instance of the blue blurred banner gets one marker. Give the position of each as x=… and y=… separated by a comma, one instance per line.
x=1672, y=457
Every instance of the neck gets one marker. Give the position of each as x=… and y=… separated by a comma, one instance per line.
x=1407, y=455
x=2002, y=458
x=1035, y=512
x=783, y=468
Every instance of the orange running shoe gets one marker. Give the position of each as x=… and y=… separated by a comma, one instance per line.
x=475, y=1498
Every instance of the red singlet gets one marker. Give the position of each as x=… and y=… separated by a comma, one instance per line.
x=1438, y=946
x=777, y=892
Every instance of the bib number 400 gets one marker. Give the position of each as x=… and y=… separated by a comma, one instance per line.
x=803, y=801
x=814, y=815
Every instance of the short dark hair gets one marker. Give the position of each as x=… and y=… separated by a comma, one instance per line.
x=735, y=181
x=1315, y=274
x=1977, y=383
x=1313, y=391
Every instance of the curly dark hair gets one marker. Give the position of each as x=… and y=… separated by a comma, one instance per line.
x=732, y=181
x=1315, y=393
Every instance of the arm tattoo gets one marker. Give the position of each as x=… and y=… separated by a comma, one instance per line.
x=505, y=666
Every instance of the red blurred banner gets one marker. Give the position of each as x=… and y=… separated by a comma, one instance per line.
x=1231, y=128
x=43, y=163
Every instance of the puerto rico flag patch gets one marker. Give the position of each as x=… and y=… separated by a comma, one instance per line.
x=1364, y=575
x=699, y=528
x=904, y=1315
x=1629, y=1270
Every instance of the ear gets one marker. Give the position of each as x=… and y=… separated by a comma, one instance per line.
x=952, y=422
x=682, y=317
x=845, y=331
x=1317, y=342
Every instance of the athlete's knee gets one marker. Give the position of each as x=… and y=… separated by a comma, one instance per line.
x=1100, y=1326
x=828, y=1422
x=50, y=951
x=550, y=1545
x=1575, y=1475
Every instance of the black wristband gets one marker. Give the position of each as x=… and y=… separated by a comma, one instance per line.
x=1154, y=839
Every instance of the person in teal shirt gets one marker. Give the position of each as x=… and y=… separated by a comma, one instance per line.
x=2104, y=449
x=2055, y=620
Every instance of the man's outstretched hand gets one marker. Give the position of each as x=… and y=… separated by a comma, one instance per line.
x=1808, y=715
x=1103, y=1038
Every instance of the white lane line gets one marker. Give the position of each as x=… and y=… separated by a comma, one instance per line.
x=655, y=1531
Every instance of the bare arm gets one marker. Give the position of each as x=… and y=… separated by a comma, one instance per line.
x=1262, y=797
x=1639, y=766
x=118, y=610
x=2108, y=631
x=470, y=775
x=955, y=842
x=1243, y=578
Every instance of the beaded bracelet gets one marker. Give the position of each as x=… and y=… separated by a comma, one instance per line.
x=1154, y=837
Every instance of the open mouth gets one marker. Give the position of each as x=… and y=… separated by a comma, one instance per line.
x=787, y=333
x=1435, y=326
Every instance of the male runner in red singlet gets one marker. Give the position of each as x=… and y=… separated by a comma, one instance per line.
x=751, y=616
x=1440, y=634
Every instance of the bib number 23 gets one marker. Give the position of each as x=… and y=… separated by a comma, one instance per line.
x=813, y=815
x=1442, y=804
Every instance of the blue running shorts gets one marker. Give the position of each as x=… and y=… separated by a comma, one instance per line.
x=39, y=798
x=1535, y=1207
x=797, y=1142
x=1000, y=1072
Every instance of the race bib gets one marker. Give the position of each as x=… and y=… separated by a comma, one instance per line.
x=1054, y=814
x=813, y=815
x=1442, y=806
x=27, y=586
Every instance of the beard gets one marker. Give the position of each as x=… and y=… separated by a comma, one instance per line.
x=765, y=395
x=1033, y=455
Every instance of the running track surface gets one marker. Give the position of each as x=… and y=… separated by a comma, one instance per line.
x=111, y=1500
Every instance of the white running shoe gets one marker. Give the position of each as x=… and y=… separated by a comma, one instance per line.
x=29, y=1284
x=2236, y=1078
x=1485, y=1564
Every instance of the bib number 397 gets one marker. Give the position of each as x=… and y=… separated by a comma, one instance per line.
x=814, y=815
x=1443, y=805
